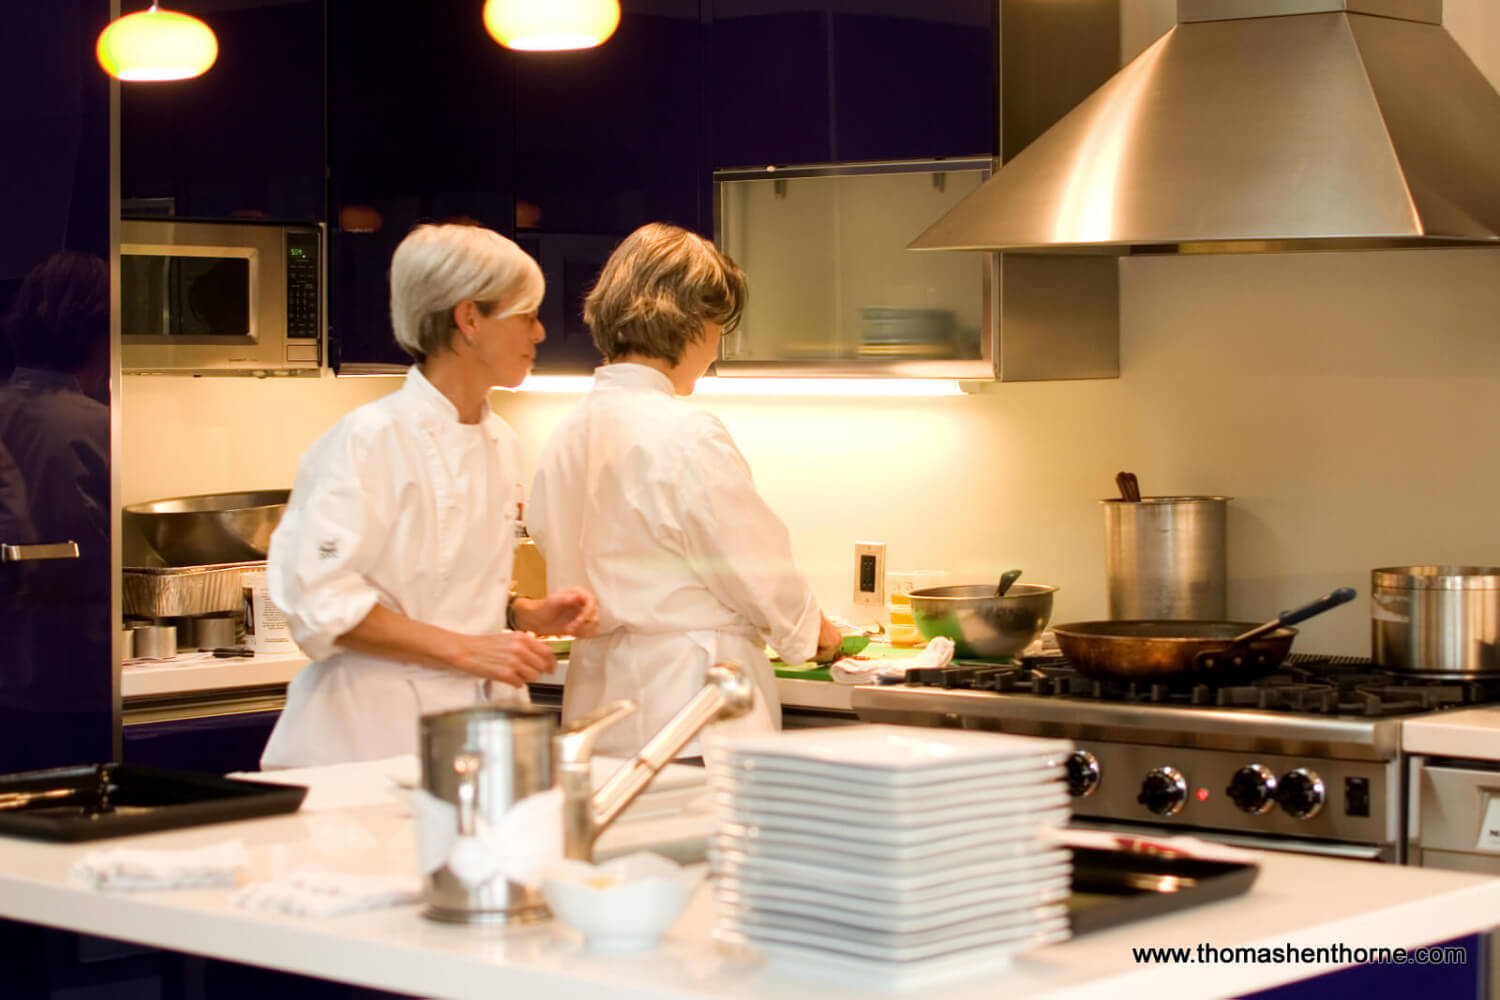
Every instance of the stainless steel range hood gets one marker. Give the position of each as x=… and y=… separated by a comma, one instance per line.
x=1260, y=125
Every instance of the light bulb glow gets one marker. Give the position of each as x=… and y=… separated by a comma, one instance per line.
x=156, y=45
x=551, y=25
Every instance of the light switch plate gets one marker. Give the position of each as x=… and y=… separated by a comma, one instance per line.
x=869, y=574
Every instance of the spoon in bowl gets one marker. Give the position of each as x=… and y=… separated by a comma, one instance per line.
x=1009, y=577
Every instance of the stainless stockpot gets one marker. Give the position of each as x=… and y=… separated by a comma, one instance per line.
x=1436, y=620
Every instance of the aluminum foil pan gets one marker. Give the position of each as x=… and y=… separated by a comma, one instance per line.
x=176, y=591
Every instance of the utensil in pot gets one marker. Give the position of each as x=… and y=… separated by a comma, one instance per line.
x=1130, y=487
x=1007, y=578
x=1151, y=650
x=981, y=625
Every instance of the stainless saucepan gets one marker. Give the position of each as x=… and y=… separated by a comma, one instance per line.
x=1150, y=650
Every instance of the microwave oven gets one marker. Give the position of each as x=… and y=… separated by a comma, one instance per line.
x=221, y=298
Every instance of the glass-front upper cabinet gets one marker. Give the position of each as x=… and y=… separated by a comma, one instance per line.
x=833, y=289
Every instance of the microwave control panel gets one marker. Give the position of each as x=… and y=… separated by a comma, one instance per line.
x=302, y=270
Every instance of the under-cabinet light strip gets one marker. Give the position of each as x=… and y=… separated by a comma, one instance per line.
x=714, y=386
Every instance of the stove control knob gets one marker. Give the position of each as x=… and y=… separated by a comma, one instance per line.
x=1083, y=773
x=1301, y=793
x=1164, y=791
x=1253, y=789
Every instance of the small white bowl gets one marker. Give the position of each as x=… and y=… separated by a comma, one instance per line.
x=622, y=905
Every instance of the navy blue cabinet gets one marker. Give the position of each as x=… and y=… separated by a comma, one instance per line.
x=420, y=129
x=821, y=81
x=607, y=139
x=245, y=140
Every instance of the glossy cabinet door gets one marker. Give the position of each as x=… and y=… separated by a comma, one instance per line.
x=244, y=140
x=607, y=139
x=57, y=691
x=818, y=81
x=420, y=129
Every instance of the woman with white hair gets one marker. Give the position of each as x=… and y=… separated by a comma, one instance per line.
x=648, y=503
x=393, y=560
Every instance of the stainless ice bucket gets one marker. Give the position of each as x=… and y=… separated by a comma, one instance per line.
x=483, y=760
x=1165, y=557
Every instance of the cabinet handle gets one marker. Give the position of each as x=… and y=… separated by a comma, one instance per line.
x=26, y=553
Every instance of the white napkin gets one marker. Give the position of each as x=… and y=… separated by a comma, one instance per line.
x=195, y=868
x=519, y=846
x=939, y=653
x=327, y=894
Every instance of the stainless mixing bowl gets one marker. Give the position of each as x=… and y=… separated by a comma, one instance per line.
x=211, y=527
x=980, y=624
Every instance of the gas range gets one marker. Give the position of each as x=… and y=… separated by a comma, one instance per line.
x=1307, y=758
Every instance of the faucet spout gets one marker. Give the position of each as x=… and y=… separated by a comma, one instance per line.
x=727, y=694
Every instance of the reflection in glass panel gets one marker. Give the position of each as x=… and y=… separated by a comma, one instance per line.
x=831, y=278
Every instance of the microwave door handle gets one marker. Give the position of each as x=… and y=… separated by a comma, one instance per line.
x=26, y=553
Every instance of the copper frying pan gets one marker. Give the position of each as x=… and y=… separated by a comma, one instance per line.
x=1210, y=651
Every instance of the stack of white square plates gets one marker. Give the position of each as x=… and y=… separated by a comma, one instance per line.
x=893, y=856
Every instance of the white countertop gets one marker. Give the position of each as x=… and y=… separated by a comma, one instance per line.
x=1469, y=732
x=1299, y=900
x=198, y=673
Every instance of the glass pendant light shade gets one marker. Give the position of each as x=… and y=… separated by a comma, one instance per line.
x=550, y=25
x=156, y=45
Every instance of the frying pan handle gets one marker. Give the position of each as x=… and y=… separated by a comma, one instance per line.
x=1341, y=596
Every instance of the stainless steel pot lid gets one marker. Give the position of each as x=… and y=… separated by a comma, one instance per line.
x=1437, y=577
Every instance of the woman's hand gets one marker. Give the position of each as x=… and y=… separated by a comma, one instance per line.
x=514, y=658
x=570, y=611
x=829, y=638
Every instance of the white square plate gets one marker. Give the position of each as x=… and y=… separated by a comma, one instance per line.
x=840, y=861
x=860, y=822
x=881, y=885
x=991, y=892
x=895, y=920
x=893, y=750
x=870, y=833
x=859, y=943
x=879, y=975
x=761, y=789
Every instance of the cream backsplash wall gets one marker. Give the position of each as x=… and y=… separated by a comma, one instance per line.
x=1349, y=402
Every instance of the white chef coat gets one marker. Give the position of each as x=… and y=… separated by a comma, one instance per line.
x=400, y=504
x=647, y=502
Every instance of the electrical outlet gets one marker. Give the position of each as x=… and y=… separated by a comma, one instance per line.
x=869, y=574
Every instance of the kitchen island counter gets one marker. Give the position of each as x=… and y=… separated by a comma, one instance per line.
x=1298, y=900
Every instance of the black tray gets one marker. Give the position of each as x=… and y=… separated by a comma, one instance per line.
x=1119, y=887
x=94, y=801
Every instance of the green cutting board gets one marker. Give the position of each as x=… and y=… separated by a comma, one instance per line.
x=814, y=672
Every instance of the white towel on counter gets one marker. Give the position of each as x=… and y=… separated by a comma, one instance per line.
x=939, y=653
x=121, y=868
x=327, y=894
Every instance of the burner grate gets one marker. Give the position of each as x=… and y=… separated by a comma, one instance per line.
x=1305, y=684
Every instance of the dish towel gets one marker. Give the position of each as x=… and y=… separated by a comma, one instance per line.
x=327, y=894
x=127, y=869
x=939, y=653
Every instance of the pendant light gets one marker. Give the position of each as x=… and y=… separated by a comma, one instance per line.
x=156, y=44
x=551, y=25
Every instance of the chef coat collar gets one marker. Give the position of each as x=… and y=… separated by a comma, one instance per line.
x=628, y=375
x=437, y=409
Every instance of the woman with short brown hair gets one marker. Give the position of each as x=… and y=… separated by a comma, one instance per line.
x=648, y=503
